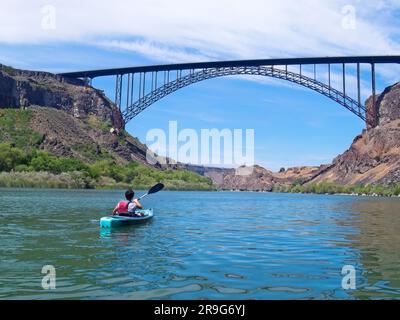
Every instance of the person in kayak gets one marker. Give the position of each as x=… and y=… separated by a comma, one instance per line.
x=128, y=208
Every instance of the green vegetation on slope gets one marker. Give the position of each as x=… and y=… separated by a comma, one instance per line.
x=22, y=164
x=15, y=128
x=333, y=188
x=7, y=69
x=34, y=168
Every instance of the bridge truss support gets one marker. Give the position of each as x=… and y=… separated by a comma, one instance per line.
x=137, y=88
x=154, y=86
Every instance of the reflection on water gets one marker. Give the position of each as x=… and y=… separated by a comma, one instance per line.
x=200, y=245
x=378, y=240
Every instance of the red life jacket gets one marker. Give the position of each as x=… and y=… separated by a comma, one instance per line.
x=123, y=206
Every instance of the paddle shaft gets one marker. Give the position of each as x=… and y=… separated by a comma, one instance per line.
x=158, y=187
x=143, y=196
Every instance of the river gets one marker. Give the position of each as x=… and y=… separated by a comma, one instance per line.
x=200, y=245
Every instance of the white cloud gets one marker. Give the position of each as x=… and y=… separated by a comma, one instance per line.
x=187, y=30
x=231, y=28
x=156, y=52
x=182, y=30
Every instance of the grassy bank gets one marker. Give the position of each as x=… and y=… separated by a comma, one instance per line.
x=78, y=180
x=37, y=169
x=333, y=188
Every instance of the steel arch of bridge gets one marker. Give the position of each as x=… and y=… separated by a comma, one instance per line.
x=180, y=82
x=175, y=76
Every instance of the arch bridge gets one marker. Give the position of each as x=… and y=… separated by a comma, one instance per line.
x=137, y=88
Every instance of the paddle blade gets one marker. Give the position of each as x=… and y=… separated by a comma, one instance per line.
x=156, y=188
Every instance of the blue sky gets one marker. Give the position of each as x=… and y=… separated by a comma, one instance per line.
x=293, y=126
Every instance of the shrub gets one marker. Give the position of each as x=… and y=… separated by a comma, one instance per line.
x=68, y=172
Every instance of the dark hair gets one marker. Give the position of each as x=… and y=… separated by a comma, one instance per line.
x=129, y=194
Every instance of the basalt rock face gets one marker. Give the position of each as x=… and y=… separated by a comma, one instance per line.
x=388, y=105
x=67, y=136
x=72, y=119
x=299, y=174
x=257, y=178
x=215, y=174
x=248, y=179
x=374, y=156
x=22, y=89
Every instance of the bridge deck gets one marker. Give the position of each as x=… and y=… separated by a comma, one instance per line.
x=234, y=63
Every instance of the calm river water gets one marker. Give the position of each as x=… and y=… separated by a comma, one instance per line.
x=200, y=245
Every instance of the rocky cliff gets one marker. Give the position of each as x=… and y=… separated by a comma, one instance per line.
x=22, y=89
x=71, y=118
x=261, y=179
x=374, y=156
x=257, y=179
x=75, y=120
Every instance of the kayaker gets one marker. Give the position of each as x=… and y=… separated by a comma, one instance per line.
x=128, y=208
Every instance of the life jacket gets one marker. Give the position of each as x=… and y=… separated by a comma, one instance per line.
x=123, y=206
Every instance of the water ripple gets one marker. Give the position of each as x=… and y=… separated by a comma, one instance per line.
x=201, y=245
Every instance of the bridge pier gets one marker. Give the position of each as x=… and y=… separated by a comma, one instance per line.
x=118, y=90
x=358, y=85
x=87, y=81
x=372, y=106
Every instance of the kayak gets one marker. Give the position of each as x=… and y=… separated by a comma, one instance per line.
x=120, y=221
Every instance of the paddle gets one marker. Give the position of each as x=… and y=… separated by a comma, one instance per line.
x=154, y=189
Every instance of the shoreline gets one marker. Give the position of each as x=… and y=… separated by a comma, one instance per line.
x=320, y=194
x=141, y=188
x=178, y=181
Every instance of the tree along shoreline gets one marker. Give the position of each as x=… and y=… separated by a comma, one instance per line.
x=77, y=180
x=38, y=169
x=330, y=188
